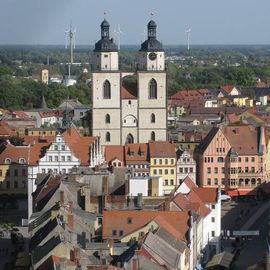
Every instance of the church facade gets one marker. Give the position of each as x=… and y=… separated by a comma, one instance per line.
x=129, y=107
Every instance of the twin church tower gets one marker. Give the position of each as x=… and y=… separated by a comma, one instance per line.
x=129, y=107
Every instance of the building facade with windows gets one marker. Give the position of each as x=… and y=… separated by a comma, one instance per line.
x=186, y=166
x=234, y=157
x=129, y=107
x=163, y=163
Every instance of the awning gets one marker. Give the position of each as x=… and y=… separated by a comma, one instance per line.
x=247, y=192
x=233, y=193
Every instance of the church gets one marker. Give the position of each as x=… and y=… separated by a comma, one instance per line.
x=129, y=107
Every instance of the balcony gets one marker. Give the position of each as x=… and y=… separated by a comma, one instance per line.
x=250, y=174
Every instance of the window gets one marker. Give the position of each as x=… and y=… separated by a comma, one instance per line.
x=153, y=89
x=166, y=171
x=153, y=118
x=213, y=219
x=160, y=172
x=166, y=161
x=172, y=182
x=213, y=233
x=166, y=182
x=220, y=159
x=129, y=220
x=106, y=90
x=253, y=159
x=160, y=161
x=50, y=158
x=56, y=147
x=208, y=170
x=191, y=170
x=186, y=170
x=114, y=232
x=223, y=169
x=63, y=148
x=15, y=184
x=63, y=158
x=43, y=171
x=22, y=161
x=68, y=158
x=15, y=172
x=107, y=119
x=246, y=159
x=209, y=181
x=172, y=161
x=216, y=181
x=154, y=171
x=246, y=169
x=1, y=173
x=153, y=136
x=172, y=171
x=55, y=170
x=7, y=161
x=56, y=158
x=129, y=102
x=213, y=206
x=23, y=172
x=216, y=170
x=181, y=170
x=155, y=161
x=108, y=137
x=121, y=233
x=239, y=159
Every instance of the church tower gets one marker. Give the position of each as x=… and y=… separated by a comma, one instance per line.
x=152, y=92
x=106, y=96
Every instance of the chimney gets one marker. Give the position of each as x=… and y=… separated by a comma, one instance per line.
x=61, y=197
x=105, y=185
x=87, y=199
x=135, y=264
x=140, y=200
x=70, y=206
x=70, y=221
x=167, y=204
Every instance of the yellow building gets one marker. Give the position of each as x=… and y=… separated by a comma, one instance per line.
x=163, y=163
x=44, y=76
x=243, y=102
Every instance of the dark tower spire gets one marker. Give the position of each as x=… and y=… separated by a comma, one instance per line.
x=152, y=30
x=105, y=29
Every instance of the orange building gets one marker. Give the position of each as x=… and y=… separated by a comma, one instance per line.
x=234, y=157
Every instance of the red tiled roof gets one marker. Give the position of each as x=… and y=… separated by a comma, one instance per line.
x=207, y=195
x=80, y=145
x=189, y=182
x=21, y=114
x=129, y=90
x=118, y=220
x=114, y=151
x=162, y=149
x=137, y=152
x=6, y=131
x=227, y=88
x=235, y=135
x=261, y=85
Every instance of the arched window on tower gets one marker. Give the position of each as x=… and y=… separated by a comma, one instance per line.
x=153, y=89
x=129, y=139
x=106, y=90
x=153, y=136
x=108, y=137
x=153, y=118
x=107, y=119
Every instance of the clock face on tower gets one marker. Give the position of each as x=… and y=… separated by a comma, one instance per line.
x=152, y=56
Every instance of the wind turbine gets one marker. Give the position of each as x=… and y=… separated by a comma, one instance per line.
x=117, y=33
x=70, y=34
x=143, y=34
x=188, y=32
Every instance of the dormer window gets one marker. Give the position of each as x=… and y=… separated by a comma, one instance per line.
x=7, y=161
x=129, y=220
x=22, y=161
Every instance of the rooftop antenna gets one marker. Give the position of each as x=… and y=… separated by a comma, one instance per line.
x=117, y=33
x=70, y=34
x=188, y=32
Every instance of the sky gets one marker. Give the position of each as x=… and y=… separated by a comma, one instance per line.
x=38, y=22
